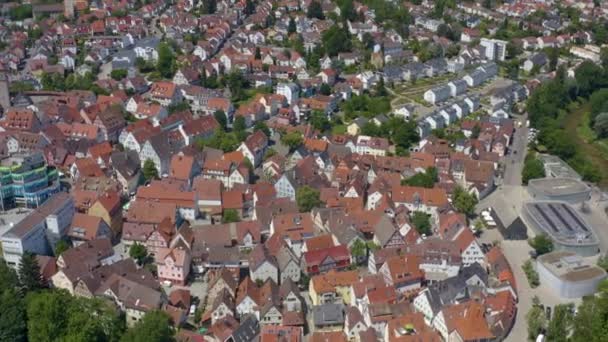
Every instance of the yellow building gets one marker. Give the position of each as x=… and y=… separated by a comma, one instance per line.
x=325, y=288
x=108, y=208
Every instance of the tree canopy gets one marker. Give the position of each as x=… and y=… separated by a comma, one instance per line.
x=230, y=215
x=166, y=60
x=533, y=168
x=154, y=326
x=542, y=244
x=292, y=139
x=463, y=201
x=55, y=315
x=29, y=273
x=149, y=171
x=422, y=222
x=425, y=179
x=315, y=10
x=307, y=198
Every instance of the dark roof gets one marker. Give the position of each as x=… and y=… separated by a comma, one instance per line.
x=517, y=230
x=247, y=331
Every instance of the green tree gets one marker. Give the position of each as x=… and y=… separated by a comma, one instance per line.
x=118, y=74
x=29, y=273
x=150, y=172
x=533, y=169
x=20, y=12
x=292, y=139
x=325, y=89
x=308, y=198
x=258, y=53
x=591, y=318
x=463, y=201
x=261, y=126
x=319, y=121
x=560, y=325
x=8, y=277
x=230, y=215
x=155, y=326
x=347, y=10
x=336, y=40
x=166, y=60
x=601, y=125
x=239, y=124
x=358, y=250
x=54, y=315
x=13, y=325
x=315, y=10
x=422, y=222
x=61, y=247
x=139, y=253
x=541, y=243
x=291, y=28
x=536, y=320
x=425, y=179
x=220, y=117
x=602, y=262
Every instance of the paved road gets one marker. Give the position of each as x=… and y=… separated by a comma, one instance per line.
x=517, y=252
x=515, y=159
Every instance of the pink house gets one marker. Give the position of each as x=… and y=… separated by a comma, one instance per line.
x=173, y=264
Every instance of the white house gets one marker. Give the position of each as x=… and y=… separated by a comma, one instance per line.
x=289, y=90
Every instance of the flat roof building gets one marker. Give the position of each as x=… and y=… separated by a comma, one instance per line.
x=557, y=168
x=569, y=275
x=560, y=221
x=569, y=190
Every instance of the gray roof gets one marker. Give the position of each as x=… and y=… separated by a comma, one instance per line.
x=455, y=288
x=247, y=331
x=384, y=230
x=149, y=42
x=126, y=163
x=328, y=314
x=50, y=207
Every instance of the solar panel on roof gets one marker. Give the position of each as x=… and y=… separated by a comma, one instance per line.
x=575, y=217
x=560, y=217
x=546, y=218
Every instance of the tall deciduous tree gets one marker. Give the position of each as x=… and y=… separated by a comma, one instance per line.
x=307, y=198
x=421, y=222
x=315, y=10
x=155, y=326
x=292, y=139
x=463, y=201
x=13, y=326
x=138, y=252
x=220, y=117
x=166, y=61
x=150, y=172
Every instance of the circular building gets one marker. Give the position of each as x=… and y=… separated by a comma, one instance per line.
x=563, y=224
x=568, y=275
x=569, y=190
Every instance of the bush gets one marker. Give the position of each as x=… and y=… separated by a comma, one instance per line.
x=531, y=274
